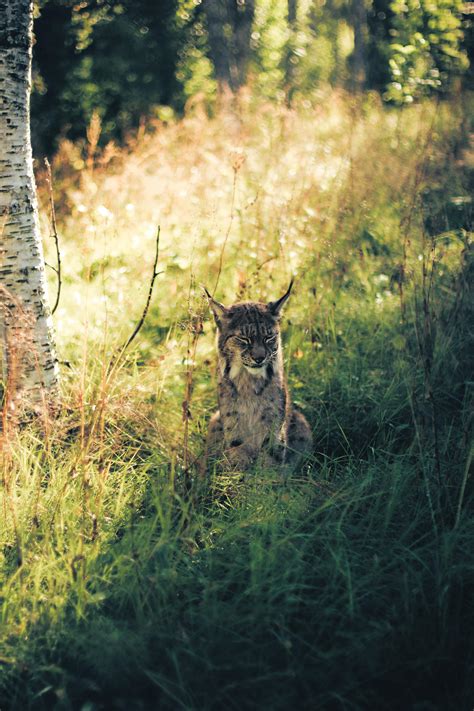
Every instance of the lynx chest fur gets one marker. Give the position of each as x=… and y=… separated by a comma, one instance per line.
x=256, y=419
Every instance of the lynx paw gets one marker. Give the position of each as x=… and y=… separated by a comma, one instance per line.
x=240, y=456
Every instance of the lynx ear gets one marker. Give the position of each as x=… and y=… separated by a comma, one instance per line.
x=276, y=306
x=218, y=309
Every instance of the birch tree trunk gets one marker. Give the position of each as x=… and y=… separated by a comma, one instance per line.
x=25, y=319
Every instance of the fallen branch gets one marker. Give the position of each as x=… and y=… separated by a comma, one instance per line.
x=49, y=180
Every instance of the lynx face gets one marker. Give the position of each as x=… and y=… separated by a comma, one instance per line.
x=249, y=334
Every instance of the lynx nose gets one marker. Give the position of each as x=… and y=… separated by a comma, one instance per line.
x=258, y=354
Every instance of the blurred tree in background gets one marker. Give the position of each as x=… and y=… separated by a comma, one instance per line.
x=426, y=49
x=132, y=59
x=118, y=59
x=229, y=28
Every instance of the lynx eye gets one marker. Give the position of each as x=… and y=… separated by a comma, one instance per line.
x=242, y=339
x=270, y=339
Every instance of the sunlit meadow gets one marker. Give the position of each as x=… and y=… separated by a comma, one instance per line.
x=131, y=582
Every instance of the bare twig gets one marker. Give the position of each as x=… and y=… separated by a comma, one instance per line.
x=244, y=285
x=136, y=330
x=49, y=180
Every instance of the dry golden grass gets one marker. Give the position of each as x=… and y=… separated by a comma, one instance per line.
x=260, y=187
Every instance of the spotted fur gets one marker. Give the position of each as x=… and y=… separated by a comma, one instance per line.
x=256, y=418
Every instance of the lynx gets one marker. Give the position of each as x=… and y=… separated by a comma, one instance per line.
x=256, y=418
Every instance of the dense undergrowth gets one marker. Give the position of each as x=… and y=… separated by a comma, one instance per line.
x=129, y=583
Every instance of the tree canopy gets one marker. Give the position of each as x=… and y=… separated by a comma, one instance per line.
x=127, y=60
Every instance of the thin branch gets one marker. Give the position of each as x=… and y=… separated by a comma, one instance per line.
x=253, y=278
x=122, y=349
x=49, y=180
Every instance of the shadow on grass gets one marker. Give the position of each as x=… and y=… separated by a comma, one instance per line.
x=337, y=592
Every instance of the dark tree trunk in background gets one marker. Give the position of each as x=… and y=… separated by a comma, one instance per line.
x=359, y=56
x=292, y=12
x=243, y=13
x=218, y=29
x=229, y=28
x=379, y=24
x=290, y=57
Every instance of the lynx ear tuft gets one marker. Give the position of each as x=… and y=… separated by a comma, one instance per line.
x=275, y=307
x=218, y=309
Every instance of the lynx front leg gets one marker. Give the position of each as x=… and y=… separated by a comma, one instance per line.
x=240, y=456
x=214, y=441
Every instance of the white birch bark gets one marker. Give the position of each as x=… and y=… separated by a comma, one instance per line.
x=25, y=319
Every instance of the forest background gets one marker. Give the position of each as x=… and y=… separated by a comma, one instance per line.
x=130, y=61
x=262, y=139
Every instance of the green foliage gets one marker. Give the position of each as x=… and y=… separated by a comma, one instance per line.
x=124, y=61
x=194, y=70
x=270, y=37
x=426, y=50
x=317, y=48
x=117, y=60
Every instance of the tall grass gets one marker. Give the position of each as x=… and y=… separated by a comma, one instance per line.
x=126, y=582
